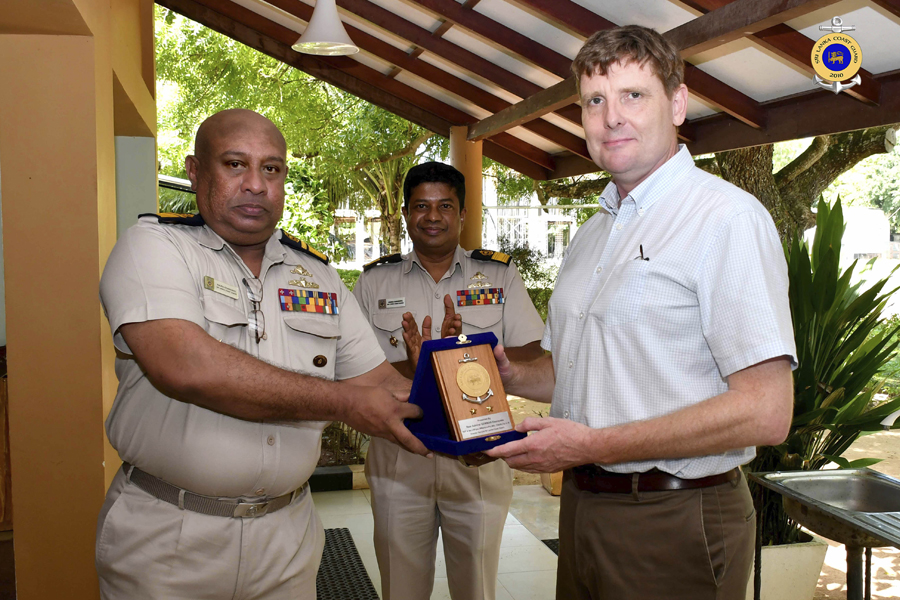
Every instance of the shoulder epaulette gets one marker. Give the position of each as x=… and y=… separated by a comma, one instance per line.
x=491, y=255
x=292, y=242
x=386, y=259
x=176, y=218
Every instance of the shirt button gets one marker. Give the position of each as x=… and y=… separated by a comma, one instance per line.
x=571, y=364
x=437, y=295
x=580, y=315
x=260, y=491
x=270, y=440
x=599, y=269
x=641, y=212
x=619, y=226
x=566, y=415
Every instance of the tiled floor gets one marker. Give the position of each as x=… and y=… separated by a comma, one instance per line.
x=527, y=567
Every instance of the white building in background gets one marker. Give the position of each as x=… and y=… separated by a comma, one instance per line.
x=867, y=235
x=546, y=230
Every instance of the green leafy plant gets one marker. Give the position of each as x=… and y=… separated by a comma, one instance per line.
x=843, y=345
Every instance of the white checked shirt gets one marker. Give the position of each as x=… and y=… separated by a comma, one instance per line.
x=636, y=338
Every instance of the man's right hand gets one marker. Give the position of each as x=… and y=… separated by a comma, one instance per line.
x=379, y=412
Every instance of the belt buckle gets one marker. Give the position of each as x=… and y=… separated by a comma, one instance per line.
x=250, y=510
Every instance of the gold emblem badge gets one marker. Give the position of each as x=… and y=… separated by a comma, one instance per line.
x=394, y=341
x=299, y=270
x=473, y=380
x=480, y=281
x=304, y=283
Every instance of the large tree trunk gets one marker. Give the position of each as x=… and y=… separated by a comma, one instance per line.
x=751, y=170
x=391, y=231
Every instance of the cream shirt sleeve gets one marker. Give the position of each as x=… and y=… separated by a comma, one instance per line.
x=521, y=322
x=358, y=351
x=147, y=278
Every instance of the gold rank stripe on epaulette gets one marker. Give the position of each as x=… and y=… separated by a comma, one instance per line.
x=176, y=218
x=384, y=260
x=491, y=255
x=292, y=242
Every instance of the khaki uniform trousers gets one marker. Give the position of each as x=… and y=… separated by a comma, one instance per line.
x=411, y=497
x=147, y=548
x=671, y=545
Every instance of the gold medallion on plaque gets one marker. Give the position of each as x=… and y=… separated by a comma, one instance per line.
x=473, y=380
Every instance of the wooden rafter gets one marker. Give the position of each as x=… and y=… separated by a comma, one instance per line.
x=479, y=66
x=735, y=20
x=892, y=6
x=702, y=85
x=441, y=78
x=495, y=32
x=266, y=36
x=795, y=48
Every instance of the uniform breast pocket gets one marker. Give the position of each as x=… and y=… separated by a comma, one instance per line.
x=312, y=341
x=621, y=299
x=480, y=319
x=224, y=322
x=389, y=331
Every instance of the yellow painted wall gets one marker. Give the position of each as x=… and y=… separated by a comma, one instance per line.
x=63, y=98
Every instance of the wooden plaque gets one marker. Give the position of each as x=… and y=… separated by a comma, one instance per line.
x=480, y=412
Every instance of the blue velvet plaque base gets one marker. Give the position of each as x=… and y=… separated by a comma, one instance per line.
x=432, y=429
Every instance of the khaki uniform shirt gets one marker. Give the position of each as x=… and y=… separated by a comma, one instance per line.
x=161, y=271
x=388, y=290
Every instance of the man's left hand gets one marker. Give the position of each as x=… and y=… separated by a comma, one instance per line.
x=556, y=444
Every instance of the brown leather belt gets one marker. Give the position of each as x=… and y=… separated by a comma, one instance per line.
x=591, y=478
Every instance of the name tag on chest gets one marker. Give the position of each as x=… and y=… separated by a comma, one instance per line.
x=220, y=288
x=392, y=303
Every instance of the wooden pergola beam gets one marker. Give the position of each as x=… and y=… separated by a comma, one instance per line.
x=457, y=55
x=538, y=105
x=701, y=84
x=736, y=20
x=274, y=40
x=795, y=48
x=438, y=77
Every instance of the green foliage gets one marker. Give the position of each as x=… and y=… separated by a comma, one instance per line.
x=531, y=264
x=176, y=201
x=349, y=277
x=539, y=278
x=339, y=146
x=843, y=347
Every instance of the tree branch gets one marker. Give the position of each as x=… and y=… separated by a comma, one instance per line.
x=406, y=151
x=578, y=189
x=803, y=162
x=844, y=151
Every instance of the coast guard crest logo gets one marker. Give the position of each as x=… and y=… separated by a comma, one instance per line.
x=836, y=57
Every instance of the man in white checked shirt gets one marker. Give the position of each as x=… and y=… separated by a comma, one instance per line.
x=672, y=350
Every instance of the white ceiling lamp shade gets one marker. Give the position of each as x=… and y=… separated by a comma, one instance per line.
x=325, y=35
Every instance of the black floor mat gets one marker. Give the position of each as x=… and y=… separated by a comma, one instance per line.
x=342, y=575
x=553, y=545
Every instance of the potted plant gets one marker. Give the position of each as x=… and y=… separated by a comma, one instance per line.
x=842, y=348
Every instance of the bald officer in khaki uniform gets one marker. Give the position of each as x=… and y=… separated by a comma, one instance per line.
x=228, y=335
x=412, y=496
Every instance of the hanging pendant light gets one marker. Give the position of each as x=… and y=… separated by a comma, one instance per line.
x=325, y=34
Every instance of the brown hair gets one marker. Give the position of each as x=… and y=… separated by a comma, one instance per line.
x=631, y=43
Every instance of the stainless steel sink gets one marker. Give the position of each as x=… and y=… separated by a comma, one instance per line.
x=848, y=490
x=857, y=507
